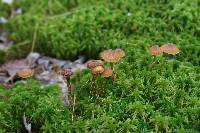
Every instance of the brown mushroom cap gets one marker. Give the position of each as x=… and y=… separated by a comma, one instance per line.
x=94, y=63
x=97, y=70
x=67, y=72
x=170, y=49
x=108, y=72
x=112, y=56
x=25, y=73
x=155, y=50
x=120, y=53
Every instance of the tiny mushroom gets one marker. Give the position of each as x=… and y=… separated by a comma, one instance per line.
x=120, y=53
x=25, y=73
x=107, y=72
x=94, y=63
x=67, y=73
x=112, y=57
x=155, y=50
x=170, y=49
x=96, y=68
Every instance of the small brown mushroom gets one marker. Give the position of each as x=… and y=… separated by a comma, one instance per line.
x=94, y=63
x=67, y=73
x=120, y=53
x=107, y=72
x=25, y=73
x=170, y=49
x=112, y=57
x=96, y=68
x=155, y=50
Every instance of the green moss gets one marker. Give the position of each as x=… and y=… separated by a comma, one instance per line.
x=88, y=30
x=42, y=106
x=144, y=98
x=16, y=52
x=5, y=8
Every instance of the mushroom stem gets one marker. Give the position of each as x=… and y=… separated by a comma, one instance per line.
x=114, y=75
x=69, y=86
x=94, y=86
x=73, y=108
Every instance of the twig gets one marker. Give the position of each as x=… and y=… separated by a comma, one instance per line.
x=34, y=37
x=27, y=125
x=73, y=107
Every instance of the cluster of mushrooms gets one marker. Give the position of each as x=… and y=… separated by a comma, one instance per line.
x=168, y=48
x=96, y=66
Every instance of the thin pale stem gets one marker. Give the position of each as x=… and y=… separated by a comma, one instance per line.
x=69, y=86
x=34, y=37
x=114, y=75
x=73, y=108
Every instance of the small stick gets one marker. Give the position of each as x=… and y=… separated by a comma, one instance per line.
x=73, y=107
x=114, y=74
x=34, y=37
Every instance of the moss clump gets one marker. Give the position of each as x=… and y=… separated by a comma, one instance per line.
x=150, y=99
x=42, y=106
x=103, y=25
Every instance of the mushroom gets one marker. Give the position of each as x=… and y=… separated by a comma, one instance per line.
x=107, y=72
x=120, y=53
x=170, y=49
x=25, y=73
x=112, y=57
x=93, y=63
x=67, y=73
x=96, y=68
x=155, y=50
